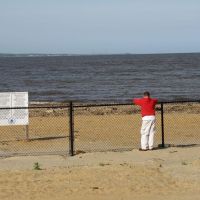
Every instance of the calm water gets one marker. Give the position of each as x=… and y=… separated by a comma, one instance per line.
x=109, y=78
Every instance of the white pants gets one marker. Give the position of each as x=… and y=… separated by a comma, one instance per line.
x=147, y=134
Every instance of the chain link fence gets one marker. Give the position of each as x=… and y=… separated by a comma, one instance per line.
x=109, y=127
x=182, y=124
x=46, y=133
x=75, y=128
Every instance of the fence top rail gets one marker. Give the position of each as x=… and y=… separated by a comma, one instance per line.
x=36, y=107
x=102, y=105
x=179, y=101
x=129, y=103
x=81, y=105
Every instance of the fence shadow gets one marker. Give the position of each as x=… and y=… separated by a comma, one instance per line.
x=36, y=139
x=48, y=138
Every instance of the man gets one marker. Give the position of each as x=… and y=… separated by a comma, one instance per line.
x=148, y=120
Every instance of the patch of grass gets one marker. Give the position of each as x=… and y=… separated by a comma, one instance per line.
x=124, y=164
x=95, y=188
x=183, y=163
x=103, y=164
x=36, y=166
x=80, y=152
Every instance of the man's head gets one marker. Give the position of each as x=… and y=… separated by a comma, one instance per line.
x=146, y=94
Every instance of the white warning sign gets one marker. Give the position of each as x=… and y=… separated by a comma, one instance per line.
x=13, y=116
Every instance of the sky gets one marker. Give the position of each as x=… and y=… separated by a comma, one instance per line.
x=99, y=26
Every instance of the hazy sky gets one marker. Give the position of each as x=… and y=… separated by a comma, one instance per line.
x=99, y=26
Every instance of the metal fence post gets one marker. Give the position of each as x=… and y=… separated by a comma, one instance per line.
x=27, y=132
x=71, y=129
x=162, y=125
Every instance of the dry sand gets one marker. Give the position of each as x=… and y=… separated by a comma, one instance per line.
x=172, y=173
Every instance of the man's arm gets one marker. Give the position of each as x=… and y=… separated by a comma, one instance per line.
x=137, y=101
x=155, y=101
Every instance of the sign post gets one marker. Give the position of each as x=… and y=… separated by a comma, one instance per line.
x=27, y=133
x=9, y=116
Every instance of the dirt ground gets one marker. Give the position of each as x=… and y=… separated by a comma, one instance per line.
x=171, y=173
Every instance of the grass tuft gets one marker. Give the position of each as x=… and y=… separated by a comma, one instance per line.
x=36, y=166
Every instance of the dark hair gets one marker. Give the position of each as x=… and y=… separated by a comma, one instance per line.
x=146, y=94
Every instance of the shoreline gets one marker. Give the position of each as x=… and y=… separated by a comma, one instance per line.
x=104, y=109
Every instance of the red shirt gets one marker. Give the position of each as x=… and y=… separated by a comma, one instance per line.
x=147, y=105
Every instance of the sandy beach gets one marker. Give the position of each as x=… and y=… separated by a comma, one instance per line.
x=171, y=173
x=100, y=100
